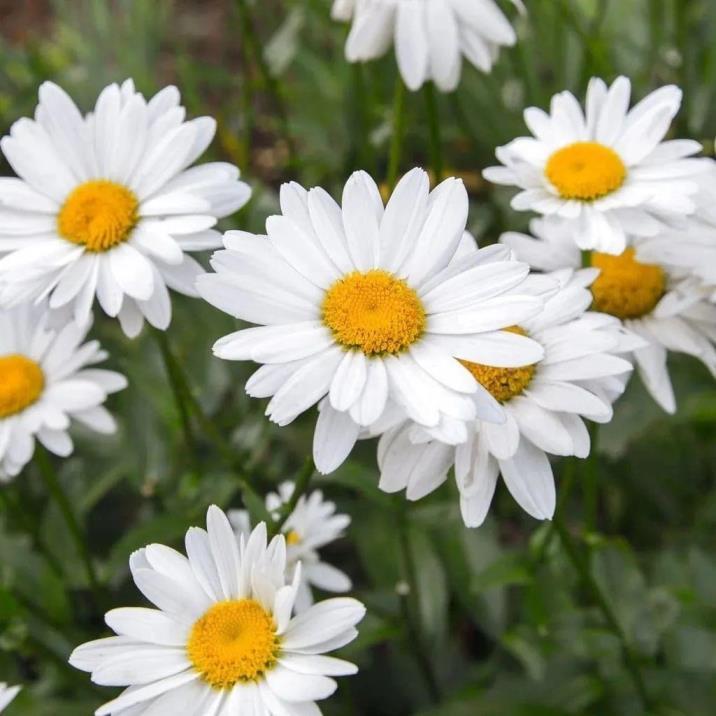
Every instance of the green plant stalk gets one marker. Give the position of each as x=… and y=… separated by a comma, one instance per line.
x=396, y=144
x=54, y=487
x=591, y=481
x=411, y=609
x=303, y=480
x=583, y=570
x=436, y=155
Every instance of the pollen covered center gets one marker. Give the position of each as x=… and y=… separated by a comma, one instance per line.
x=98, y=215
x=21, y=384
x=585, y=171
x=235, y=641
x=503, y=383
x=373, y=311
x=293, y=538
x=625, y=287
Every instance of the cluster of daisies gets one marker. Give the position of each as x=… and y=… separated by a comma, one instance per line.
x=387, y=317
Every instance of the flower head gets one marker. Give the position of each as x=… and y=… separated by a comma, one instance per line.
x=48, y=380
x=107, y=205
x=607, y=169
x=222, y=639
x=364, y=306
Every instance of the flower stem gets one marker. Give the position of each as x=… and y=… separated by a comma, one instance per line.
x=591, y=482
x=582, y=568
x=411, y=608
x=396, y=144
x=54, y=487
x=436, y=156
x=299, y=489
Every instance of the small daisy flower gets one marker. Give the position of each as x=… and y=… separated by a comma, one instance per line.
x=607, y=169
x=7, y=694
x=312, y=524
x=106, y=205
x=645, y=289
x=546, y=403
x=430, y=36
x=222, y=640
x=47, y=380
x=365, y=304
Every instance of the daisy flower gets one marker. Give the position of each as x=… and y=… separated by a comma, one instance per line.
x=47, y=379
x=312, y=524
x=606, y=169
x=222, y=640
x=430, y=36
x=645, y=289
x=106, y=204
x=545, y=403
x=7, y=694
x=366, y=304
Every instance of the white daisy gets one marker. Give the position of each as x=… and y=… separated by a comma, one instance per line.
x=645, y=289
x=545, y=403
x=46, y=381
x=107, y=205
x=222, y=641
x=367, y=304
x=430, y=36
x=607, y=170
x=312, y=524
x=7, y=694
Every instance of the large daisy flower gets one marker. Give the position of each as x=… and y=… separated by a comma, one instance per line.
x=7, y=694
x=47, y=379
x=313, y=524
x=222, y=640
x=430, y=36
x=607, y=169
x=545, y=403
x=367, y=304
x=107, y=205
x=645, y=288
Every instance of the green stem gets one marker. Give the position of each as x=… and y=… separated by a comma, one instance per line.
x=591, y=481
x=396, y=144
x=436, y=156
x=582, y=568
x=55, y=489
x=411, y=609
x=565, y=489
x=299, y=489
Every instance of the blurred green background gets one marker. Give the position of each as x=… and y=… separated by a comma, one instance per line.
x=508, y=626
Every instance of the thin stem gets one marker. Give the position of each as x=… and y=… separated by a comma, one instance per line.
x=299, y=489
x=55, y=489
x=411, y=610
x=436, y=156
x=396, y=144
x=582, y=568
x=591, y=481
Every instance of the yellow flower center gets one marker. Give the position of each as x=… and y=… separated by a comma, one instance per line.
x=293, y=538
x=235, y=641
x=21, y=384
x=373, y=311
x=503, y=383
x=99, y=215
x=585, y=171
x=625, y=287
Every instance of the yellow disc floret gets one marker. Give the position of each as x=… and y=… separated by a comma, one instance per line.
x=99, y=215
x=625, y=287
x=503, y=383
x=374, y=312
x=585, y=171
x=293, y=538
x=21, y=384
x=235, y=641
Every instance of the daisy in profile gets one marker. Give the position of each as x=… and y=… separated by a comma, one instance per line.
x=643, y=287
x=222, y=639
x=607, y=169
x=365, y=305
x=107, y=205
x=312, y=524
x=7, y=694
x=48, y=380
x=431, y=37
x=546, y=403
